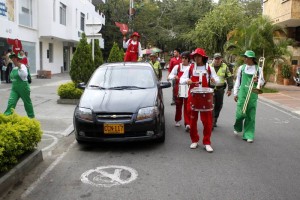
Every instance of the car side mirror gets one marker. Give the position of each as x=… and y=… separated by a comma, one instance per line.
x=81, y=85
x=164, y=84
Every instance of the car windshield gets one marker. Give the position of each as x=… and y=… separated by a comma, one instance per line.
x=120, y=78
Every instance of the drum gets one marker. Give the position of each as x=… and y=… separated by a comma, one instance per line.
x=202, y=99
x=183, y=91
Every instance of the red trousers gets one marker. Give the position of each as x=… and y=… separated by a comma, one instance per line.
x=179, y=101
x=130, y=57
x=207, y=121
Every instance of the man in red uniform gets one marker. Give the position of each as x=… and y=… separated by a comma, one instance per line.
x=134, y=49
x=176, y=60
x=199, y=74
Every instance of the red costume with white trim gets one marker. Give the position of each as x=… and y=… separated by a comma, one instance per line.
x=134, y=49
x=205, y=116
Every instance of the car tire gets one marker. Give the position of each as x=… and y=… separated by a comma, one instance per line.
x=162, y=138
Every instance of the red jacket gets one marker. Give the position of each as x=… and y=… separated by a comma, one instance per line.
x=174, y=61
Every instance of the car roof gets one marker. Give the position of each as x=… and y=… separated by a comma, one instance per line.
x=127, y=64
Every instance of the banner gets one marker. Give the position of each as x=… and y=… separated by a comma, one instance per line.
x=123, y=27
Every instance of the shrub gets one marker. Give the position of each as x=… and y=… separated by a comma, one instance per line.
x=82, y=65
x=18, y=135
x=286, y=71
x=114, y=55
x=69, y=91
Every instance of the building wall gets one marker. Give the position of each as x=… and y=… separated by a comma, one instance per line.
x=46, y=28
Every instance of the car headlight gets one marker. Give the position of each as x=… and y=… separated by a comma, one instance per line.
x=84, y=114
x=147, y=113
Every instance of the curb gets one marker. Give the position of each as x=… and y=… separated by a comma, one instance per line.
x=16, y=174
x=68, y=101
x=279, y=106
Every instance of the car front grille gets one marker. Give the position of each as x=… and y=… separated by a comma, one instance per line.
x=114, y=117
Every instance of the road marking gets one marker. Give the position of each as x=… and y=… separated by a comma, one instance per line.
x=268, y=104
x=46, y=172
x=55, y=140
x=100, y=177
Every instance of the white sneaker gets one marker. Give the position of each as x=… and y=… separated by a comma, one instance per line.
x=194, y=145
x=235, y=132
x=208, y=148
x=249, y=140
x=177, y=124
x=187, y=128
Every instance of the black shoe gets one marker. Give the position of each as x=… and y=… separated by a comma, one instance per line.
x=173, y=103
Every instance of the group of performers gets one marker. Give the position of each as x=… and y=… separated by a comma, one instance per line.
x=200, y=87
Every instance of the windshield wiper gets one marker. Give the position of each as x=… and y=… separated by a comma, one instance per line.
x=126, y=87
x=97, y=86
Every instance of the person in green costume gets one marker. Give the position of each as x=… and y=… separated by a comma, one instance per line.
x=20, y=87
x=246, y=121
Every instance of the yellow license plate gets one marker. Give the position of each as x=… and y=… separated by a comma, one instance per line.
x=113, y=128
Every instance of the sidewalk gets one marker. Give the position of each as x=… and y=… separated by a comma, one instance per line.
x=288, y=97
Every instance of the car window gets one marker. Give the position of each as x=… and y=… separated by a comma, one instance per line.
x=112, y=77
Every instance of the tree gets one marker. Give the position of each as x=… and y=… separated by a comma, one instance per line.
x=98, y=58
x=121, y=54
x=259, y=35
x=114, y=55
x=82, y=65
x=211, y=32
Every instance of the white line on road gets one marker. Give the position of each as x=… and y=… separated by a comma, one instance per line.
x=293, y=116
x=46, y=172
x=55, y=140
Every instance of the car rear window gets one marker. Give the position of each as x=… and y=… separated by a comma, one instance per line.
x=109, y=77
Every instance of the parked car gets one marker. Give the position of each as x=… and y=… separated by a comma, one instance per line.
x=121, y=102
x=297, y=77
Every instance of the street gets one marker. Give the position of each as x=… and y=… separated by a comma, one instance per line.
x=269, y=168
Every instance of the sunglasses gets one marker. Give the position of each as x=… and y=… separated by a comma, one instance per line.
x=184, y=58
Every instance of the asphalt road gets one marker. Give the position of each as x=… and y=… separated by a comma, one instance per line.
x=269, y=168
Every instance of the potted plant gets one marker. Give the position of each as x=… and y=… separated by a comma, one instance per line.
x=286, y=74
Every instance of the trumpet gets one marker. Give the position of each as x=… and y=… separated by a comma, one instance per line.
x=256, y=90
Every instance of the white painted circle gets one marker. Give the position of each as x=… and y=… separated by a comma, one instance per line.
x=108, y=176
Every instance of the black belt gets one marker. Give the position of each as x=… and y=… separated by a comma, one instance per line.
x=218, y=87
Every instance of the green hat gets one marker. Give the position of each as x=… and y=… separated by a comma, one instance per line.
x=13, y=55
x=249, y=54
x=217, y=55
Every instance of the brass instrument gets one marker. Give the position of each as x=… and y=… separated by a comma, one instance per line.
x=256, y=90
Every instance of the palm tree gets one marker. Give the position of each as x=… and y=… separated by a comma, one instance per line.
x=261, y=36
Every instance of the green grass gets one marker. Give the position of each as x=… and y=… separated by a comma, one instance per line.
x=269, y=90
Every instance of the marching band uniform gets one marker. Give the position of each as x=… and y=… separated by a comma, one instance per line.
x=176, y=60
x=176, y=74
x=199, y=75
x=244, y=76
x=134, y=49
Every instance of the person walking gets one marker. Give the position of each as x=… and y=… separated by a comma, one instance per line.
x=247, y=73
x=134, y=49
x=175, y=60
x=156, y=65
x=8, y=63
x=199, y=74
x=181, y=99
x=20, y=87
x=225, y=78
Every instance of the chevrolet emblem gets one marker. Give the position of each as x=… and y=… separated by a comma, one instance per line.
x=113, y=116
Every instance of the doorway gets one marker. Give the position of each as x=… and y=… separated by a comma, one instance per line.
x=66, y=59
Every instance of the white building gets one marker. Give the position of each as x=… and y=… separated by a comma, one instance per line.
x=48, y=29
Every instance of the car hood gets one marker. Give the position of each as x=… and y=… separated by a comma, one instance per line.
x=117, y=100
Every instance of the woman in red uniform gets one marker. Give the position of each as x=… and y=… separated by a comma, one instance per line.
x=134, y=49
x=199, y=74
x=180, y=100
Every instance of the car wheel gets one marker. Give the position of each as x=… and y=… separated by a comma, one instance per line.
x=162, y=129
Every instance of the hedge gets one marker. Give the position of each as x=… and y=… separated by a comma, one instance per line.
x=18, y=135
x=69, y=91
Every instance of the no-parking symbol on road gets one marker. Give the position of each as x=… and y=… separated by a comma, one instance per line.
x=108, y=176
